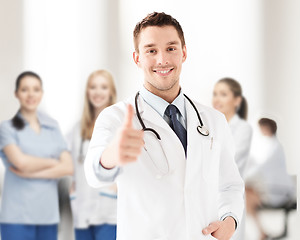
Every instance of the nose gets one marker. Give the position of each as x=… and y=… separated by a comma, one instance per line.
x=162, y=58
x=31, y=93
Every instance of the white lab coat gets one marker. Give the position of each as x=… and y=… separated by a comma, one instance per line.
x=242, y=135
x=89, y=206
x=197, y=191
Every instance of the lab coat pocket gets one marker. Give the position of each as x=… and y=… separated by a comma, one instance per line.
x=210, y=159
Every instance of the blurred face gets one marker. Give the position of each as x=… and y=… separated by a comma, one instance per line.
x=265, y=130
x=160, y=57
x=99, y=92
x=224, y=100
x=30, y=93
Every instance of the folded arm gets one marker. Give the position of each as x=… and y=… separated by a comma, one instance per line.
x=63, y=168
x=27, y=163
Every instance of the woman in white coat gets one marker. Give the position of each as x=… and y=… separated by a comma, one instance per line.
x=228, y=99
x=94, y=210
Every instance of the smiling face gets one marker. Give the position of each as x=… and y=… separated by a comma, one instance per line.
x=98, y=92
x=29, y=93
x=224, y=99
x=160, y=56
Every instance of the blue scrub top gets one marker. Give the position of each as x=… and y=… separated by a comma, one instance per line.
x=24, y=200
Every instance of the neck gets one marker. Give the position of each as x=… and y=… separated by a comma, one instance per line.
x=168, y=95
x=229, y=116
x=97, y=111
x=29, y=116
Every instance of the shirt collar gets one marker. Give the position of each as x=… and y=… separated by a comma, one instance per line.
x=233, y=120
x=160, y=105
x=44, y=120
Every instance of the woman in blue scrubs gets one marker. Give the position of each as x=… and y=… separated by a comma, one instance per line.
x=35, y=156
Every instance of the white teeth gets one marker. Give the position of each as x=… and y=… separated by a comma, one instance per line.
x=164, y=72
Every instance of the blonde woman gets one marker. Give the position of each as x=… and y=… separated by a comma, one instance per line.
x=94, y=210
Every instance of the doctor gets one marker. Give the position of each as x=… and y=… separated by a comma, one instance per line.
x=175, y=179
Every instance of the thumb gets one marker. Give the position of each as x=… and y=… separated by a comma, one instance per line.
x=129, y=116
x=210, y=229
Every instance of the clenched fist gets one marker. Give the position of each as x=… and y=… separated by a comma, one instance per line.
x=126, y=146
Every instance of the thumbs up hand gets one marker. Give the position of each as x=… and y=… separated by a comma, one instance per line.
x=126, y=146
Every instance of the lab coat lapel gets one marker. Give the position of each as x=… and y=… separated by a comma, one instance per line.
x=192, y=124
x=150, y=117
x=194, y=148
x=153, y=120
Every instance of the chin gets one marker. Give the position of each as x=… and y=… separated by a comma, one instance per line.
x=165, y=87
x=99, y=105
x=30, y=108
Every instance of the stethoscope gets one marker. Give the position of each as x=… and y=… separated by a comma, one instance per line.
x=81, y=156
x=201, y=128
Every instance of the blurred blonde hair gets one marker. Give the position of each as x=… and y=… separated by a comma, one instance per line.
x=88, y=115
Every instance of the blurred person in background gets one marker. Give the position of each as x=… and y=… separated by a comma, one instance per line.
x=267, y=180
x=228, y=99
x=94, y=210
x=35, y=156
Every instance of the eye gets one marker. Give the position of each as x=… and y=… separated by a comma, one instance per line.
x=37, y=89
x=170, y=49
x=23, y=89
x=151, y=51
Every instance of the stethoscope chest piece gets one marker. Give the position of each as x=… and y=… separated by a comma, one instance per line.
x=203, y=130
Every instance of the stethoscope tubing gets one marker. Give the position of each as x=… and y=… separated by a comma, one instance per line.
x=201, y=129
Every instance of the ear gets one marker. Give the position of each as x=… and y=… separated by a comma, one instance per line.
x=16, y=95
x=136, y=58
x=184, y=53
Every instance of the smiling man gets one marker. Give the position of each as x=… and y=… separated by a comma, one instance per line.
x=172, y=158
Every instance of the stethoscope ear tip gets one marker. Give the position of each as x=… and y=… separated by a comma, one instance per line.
x=203, y=130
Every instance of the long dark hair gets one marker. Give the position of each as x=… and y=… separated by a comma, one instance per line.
x=236, y=89
x=17, y=121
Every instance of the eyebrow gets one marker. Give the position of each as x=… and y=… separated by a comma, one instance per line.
x=173, y=43
x=150, y=45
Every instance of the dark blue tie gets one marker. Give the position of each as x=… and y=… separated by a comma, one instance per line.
x=177, y=127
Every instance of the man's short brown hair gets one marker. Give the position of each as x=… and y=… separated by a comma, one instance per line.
x=267, y=122
x=159, y=20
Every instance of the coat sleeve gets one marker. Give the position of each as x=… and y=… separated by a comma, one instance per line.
x=107, y=123
x=231, y=185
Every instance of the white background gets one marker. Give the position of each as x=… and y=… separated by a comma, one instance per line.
x=254, y=41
